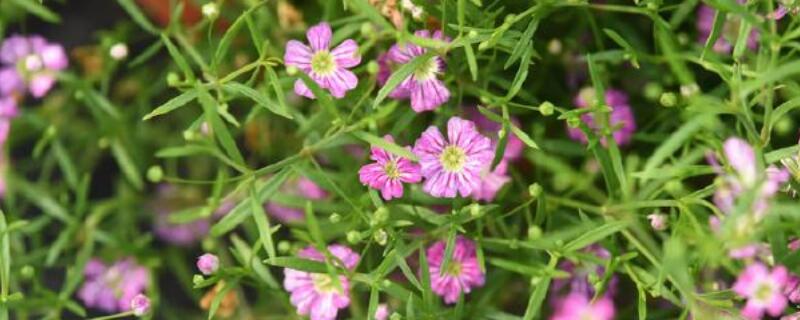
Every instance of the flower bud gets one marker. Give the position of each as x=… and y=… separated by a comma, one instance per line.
x=689, y=90
x=118, y=51
x=155, y=174
x=475, y=210
x=380, y=216
x=546, y=108
x=140, y=305
x=380, y=237
x=535, y=190
x=653, y=90
x=173, y=79
x=534, y=232
x=335, y=218
x=373, y=67
x=291, y=70
x=658, y=221
x=208, y=264
x=668, y=99
x=353, y=237
x=27, y=272
x=554, y=47
x=210, y=10
x=284, y=246
x=573, y=122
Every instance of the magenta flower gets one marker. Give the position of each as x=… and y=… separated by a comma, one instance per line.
x=29, y=63
x=169, y=201
x=316, y=294
x=745, y=177
x=208, y=263
x=621, y=119
x=389, y=172
x=462, y=274
x=578, y=282
x=577, y=306
x=453, y=166
x=423, y=86
x=491, y=182
x=140, y=304
x=112, y=288
x=792, y=289
x=300, y=187
x=730, y=30
x=328, y=68
x=763, y=289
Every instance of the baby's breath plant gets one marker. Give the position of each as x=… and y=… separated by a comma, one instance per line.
x=399, y=159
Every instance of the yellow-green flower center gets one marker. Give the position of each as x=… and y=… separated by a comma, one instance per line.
x=426, y=70
x=763, y=292
x=324, y=283
x=322, y=62
x=454, y=269
x=453, y=158
x=391, y=170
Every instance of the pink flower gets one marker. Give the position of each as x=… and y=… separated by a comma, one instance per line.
x=423, y=86
x=112, y=288
x=763, y=289
x=208, y=263
x=389, y=172
x=328, y=68
x=621, y=119
x=29, y=63
x=140, y=304
x=491, y=129
x=453, y=165
x=730, y=30
x=170, y=200
x=792, y=289
x=301, y=187
x=658, y=221
x=462, y=274
x=491, y=182
x=745, y=177
x=316, y=294
x=382, y=312
x=577, y=306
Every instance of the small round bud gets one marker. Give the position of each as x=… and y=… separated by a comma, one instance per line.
x=673, y=186
x=79, y=95
x=653, y=90
x=173, y=79
x=353, y=237
x=573, y=122
x=784, y=126
x=140, y=305
x=103, y=143
x=373, y=67
x=27, y=272
x=652, y=5
x=155, y=174
x=386, y=283
x=291, y=70
x=534, y=232
x=658, y=221
x=284, y=246
x=210, y=10
x=535, y=190
x=689, y=90
x=118, y=51
x=380, y=237
x=367, y=29
x=189, y=135
x=668, y=99
x=475, y=210
x=208, y=264
x=472, y=34
x=395, y=316
x=485, y=100
x=546, y=108
x=535, y=281
x=554, y=47
x=380, y=216
x=335, y=218
x=51, y=131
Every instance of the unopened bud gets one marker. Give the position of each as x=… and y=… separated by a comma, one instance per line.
x=335, y=218
x=380, y=237
x=668, y=99
x=173, y=79
x=535, y=190
x=291, y=70
x=573, y=122
x=534, y=232
x=118, y=51
x=155, y=174
x=210, y=10
x=658, y=221
x=353, y=237
x=284, y=246
x=546, y=108
x=373, y=67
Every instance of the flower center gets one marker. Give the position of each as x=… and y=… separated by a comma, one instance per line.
x=391, y=169
x=763, y=292
x=324, y=283
x=454, y=269
x=426, y=70
x=453, y=158
x=322, y=62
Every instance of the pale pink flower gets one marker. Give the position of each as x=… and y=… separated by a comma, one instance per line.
x=317, y=295
x=112, y=288
x=658, y=221
x=730, y=30
x=576, y=306
x=621, y=119
x=30, y=63
x=140, y=305
x=463, y=272
x=491, y=182
x=423, y=86
x=389, y=172
x=763, y=290
x=453, y=166
x=327, y=67
x=382, y=312
x=208, y=263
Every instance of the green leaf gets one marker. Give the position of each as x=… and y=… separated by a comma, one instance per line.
x=262, y=222
x=260, y=98
x=622, y=43
x=127, y=164
x=298, y=264
x=522, y=44
x=373, y=302
x=37, y=9
x=322, y=96
x=220, y=130
x=450, y=245
x=227, y=38
x=676, y=141
x=522, y=72
x=239, y=213
x=382, y=143
x=539, y=293
x=178, y=58
x=596, y=235
x=282, y=107
x=215, y=303
x=716, y=31
x=173, y=104
x=371, y=13
x=523, y=136
x=251, y=260
x=5, y=263
x=148, y=53
x=133, y=10
x=400, y=75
